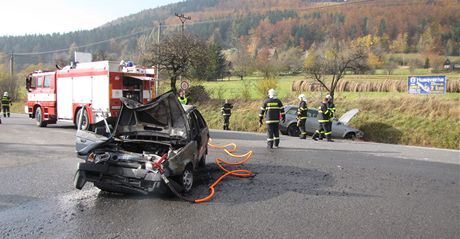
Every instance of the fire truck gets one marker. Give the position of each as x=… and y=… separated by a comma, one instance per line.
x=61, y=95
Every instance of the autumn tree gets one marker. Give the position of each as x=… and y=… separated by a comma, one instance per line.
x=333, y=61
x=178, y=53
x=242, y=62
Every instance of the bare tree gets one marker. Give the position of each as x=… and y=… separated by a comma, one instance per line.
x=178, y=52
x=242, y=62
x=334, y=62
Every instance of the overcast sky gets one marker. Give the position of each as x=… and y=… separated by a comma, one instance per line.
x=20, y=17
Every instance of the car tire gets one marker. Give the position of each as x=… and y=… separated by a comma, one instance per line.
x=293, y=130
x=85, y=120
x=39, y=117
x=350, y=136
x=187, y=178
x=202, y=162
x=79, y=179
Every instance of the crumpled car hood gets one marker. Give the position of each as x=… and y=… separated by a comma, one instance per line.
x=164, y=115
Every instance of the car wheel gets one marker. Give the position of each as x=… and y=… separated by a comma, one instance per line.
x=187, y=178
x=351, y=136
x=293, y=130
x=39, y=117
x=84, y=121
x=79, y=179
x=202, y=161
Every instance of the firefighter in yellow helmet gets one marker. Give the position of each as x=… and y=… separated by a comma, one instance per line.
x=274, y=111
x=6, y=102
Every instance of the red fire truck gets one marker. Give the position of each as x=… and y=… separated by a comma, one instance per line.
x=60, y=95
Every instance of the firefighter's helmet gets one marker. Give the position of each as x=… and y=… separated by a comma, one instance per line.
x=271, y=93
x=328, y=97
x=5, y=93
x=302, y=97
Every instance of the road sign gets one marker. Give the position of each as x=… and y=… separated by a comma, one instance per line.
x=427, y=84
x=184, y=85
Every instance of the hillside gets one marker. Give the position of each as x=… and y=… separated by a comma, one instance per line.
x=400, y=26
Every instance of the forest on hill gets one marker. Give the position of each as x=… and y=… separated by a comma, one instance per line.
x=430, y=27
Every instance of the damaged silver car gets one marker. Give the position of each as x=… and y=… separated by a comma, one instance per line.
x=123, y=159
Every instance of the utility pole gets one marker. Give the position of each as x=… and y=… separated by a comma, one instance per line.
x=11, y=65
x=183, y=19
x=157, y=82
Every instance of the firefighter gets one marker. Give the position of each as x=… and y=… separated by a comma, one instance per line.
x=182, y=99
x=331, y=112
x=302, y=116
x=274, y=110
x=6, y=102
x=323, y=119
x=226, y=113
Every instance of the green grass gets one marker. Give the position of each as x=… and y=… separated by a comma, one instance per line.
x=231, y=88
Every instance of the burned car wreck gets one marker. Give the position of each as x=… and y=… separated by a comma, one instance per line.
x=123, y=159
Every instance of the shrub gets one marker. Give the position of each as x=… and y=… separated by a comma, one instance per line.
x=264, y=85
x=197, y=93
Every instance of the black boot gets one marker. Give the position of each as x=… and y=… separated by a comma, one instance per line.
x=315, y=136
x=269, y=144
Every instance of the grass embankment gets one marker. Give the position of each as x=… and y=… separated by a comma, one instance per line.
x=395, y=118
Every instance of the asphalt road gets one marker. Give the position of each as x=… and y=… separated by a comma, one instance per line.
x=304, y=189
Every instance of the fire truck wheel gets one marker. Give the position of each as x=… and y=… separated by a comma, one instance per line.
x=39, y=117
x=85, y=120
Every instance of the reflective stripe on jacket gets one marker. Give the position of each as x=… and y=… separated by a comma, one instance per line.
x=273, y=110
x=323, y=116
x=6, y=100
x=183, y=101
x=302, y=110
x=227, y=109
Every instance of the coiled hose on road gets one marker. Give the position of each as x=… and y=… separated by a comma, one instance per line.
x=229, y=149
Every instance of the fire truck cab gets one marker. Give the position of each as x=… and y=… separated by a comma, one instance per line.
x=60, y=95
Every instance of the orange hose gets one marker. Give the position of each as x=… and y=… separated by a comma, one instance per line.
x=229, y=149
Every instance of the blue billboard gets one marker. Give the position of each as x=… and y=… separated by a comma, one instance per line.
x=427, y=84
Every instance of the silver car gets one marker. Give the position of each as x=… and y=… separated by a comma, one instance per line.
x=340, y=129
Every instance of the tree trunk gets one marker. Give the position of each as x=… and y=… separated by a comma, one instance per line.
x=173, y=84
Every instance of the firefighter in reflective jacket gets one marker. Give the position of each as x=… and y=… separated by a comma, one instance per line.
x=323, y=120
x=6, y=102
x=302, y=116
x=226, y=113
x=331, y=112
x=274, y=111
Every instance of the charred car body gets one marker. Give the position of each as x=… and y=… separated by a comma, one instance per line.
x=122, y=159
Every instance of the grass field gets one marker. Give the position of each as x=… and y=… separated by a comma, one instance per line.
x=395, y=118
x=231, y=88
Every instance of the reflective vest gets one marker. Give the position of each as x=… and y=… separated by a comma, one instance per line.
x=6, y=101
x=183, y=101
x=274, y=110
